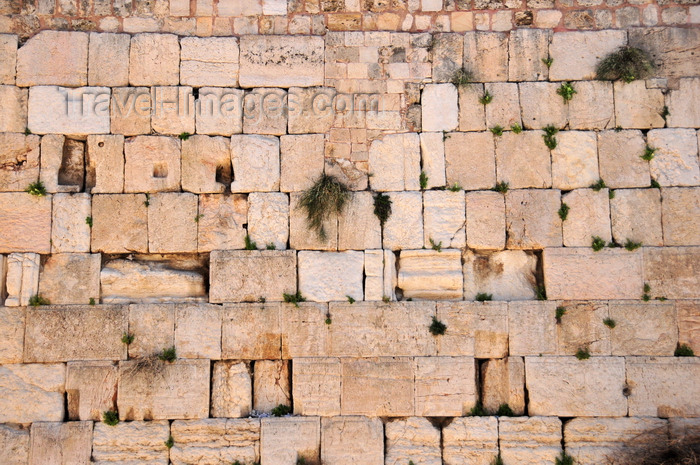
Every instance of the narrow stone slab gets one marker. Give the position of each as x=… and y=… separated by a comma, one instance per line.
x=22, y=279
x=8, y=64
x=12, y=323
x=281, y=61
x=138, y=441
x=429, y=274
x=32, y=392
x=316, y=386
x=271, y=385
x=232, y=390
x=91, y=388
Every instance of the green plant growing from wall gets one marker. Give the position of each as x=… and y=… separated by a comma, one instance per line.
x=549, y=136
x=516, y=128
x=281, y=410
x=249, y=243
x=170, y=442
x=563, y=211
x=664, y=113
x=461, y=77
x=610, y=323
x=564, y=459
x=37, y=300
x=647, y=289
x=486, y=98
x=478, y=410
x=598, y=185
x=294, y=298
x=110, y=417
x=88, y=221
x=583, y=354
x=567, y=91
x=351, y=300
x=184, y=135
x=168, y=355
x=504, y=410
x=91, y=301
x=437, y=327
x=497, y=460
x=382, y=207
x=597, y=243
x=626, y=64
x=455, y=187
x=548, y=62
x=271, y=246
x=127, y=338
x=36, y=189
x=559, y=313
x=501, y=187
x=648, y=154
x=683, y=350
x=435, y=246
x=631, y=245
x=483, y=297
x=497, y=130
x=325, y=198
x=541, y=293
x=655, y=184
x=423, y=180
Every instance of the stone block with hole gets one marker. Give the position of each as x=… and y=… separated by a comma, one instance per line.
x=206, y=164
x=62, y=164
x=473, y=329
x=152, y=164
x=104, y=163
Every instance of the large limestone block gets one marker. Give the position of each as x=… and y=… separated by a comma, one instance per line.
x=91, y=388
x=486, y=220
x=582, y=326
x=54, y=58
x=301, y=161
x=215, y=441
x=62, y=164
x=358, y=226
x=172, y=223
x=414, y=439
x=219, y=111
x=446, y=55
x=120, y=223
x=232, y=390
x=60, y=110
x=152, y=164
x=431, y=274
x=350, y=440
x=470, y=160
x=326, y=276
x=316, y=386
x=681, y=215
x=311, y=110
x=664, y=386
x=394, y=161
x=154, y=59
x=689, y=323
x=541, y=106
x=380, y=275
x=636, y=106
x=247, y=276
x=108, y=59
x=32, y=392
x=209, y=61
x=198, y=331
x=69, y=229
x=575, y=160
x=378, y=329
x=476, y=329
x=251, y=332
x=445, y=386
x=636, y=216
x=470, y=441
x=302, y=236
x=672, y=272
x=204, y=159
x=153, y=328
x=593, y=106
x=432, y=149
x=506, y=275
x=76, y=332
x=529, y=440
x=575, y=55
x=281, y=61
x=14, y=444
x=486, y=55
x=504, y=109
x=131, y=442
x=503, y=382
x=683, y=113
x=439, y=107
x=221, y=222
x=527, y=49
x=19, y=159
x=444, y=219
x=61, y=443
x=304, y=330
x=404, y=228
x=567, y=387
x=12, y=323
x=523, y=160
x=619, y=154
x=163, y=390
x=70, y=278
x=8, y=53
x=290, y=440
x=643, y=328
x=256, y=163
x=382, y=386
x=589, y=215
x=472, y=113
x=581, y=273
x=675, y=162
x=13, y=114
x=532, y=328
x=532, y=219
x=131, y=110
x=672, y=48
x=271, y=386
x=173, y=111
x=265, y=111
x=22, y=281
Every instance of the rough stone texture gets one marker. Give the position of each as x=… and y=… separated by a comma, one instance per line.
x=507, y=275
x=523, y=160
x=131, y=109
x=105, y=164
x=59, y=110
x=470, y=160
x=135, y=441
x=504, y=109
x=301, y=161
x=203, y=158
x=672, y=272
x=380, y=274
x=215, y=441
x=404, y=228
x=477, y=329
x=689, y=323
x=470, y=441
x=529, y=440
x=636, y=106
x=432, y=148
x=444, y=219
x=663, y=386
x=108, y=60
x=445, y=386
x=172, y=224
x=413, y=439
x=382, y=386
x=53, y=58
x=486, y=220
x=91, y=388
x=209, y=61
x=8, y=52
x=472, y=114
x=264, y=111
x=174, y=110
x=264, y=273
x=61, y=443
x=486, y=55
x=301, y=235
x=541, y=106
x=288, y=440
x=585, y=274
x=163, y=390
x=281, y=61
x=152, y=164
x=576, y=54
x=232, y=390
x=70, y=278
x=13, y=115
x=221, y=220
x=681, y=215
x=77, y=332
x=14, y=442
x=671, y=48
x=395, y=162
x=219, y=111
x=22, y=281
x=198, y=331
x=256, y=163
x=680, y=104
x=582, y=327
x=532, y=221
x=154, y=59
x=503, y=382
x=593, y=106
x=575, y=160
x=643, y=329
x=446, y=54
x=304, y=330
x=620, y=162
x=310, y=109
x=26, y=223
x=12, y=323
x=351, y=440
x=120, y=223
x=358, y=226
x=326, y=276
x=532, y=328
x=636, y=216
x=431, y=274
x=675, y=161
x=271, y=385
x=32, y=392
x=268, y=219
x=439, y=107
x=526, y=50
x=153, y=328
x=62, y=164
x=316, y=386
x=589, y=215
x=251, y=331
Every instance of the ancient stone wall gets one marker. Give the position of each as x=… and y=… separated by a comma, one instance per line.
x=529, y=295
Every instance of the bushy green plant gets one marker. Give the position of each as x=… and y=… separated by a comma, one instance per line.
x=598, y=185
x=567, y=91
x=564, y=459
x=168, y=355
x=504, y=410
x=563, y=211
x=683, y=350
x=37, y=300
x=325, y=198
x=382, y=207
x=127, y=338
x=250, y=243
x=294, y=298
x=36, y=189
x=501, y=187
x=583, y=354
x=437, y=327
x=597, y=243
x=626, y=64
x=478, y=410
x=516, y=128
x=435, y=246
x=486, y=98
x=423, y=180
x=609, y=322
x=461, y=77
x=110, y=417
x=497, y=130
x=549, y=140
x=281, y=410
x=560, y=312
x=483, y=297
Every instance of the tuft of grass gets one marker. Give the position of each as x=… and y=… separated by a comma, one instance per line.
x=437, y=247
x=168, y=355
x=478, y=410
x=36, y=189
x=583, y=354
x=609, y=322
x=655, y=184
x=504, y=410
x=27, y=131
x=560, y=312
x=198, y=217
x=647, y=287
x=664, y=113
x=184, y=135
x=423, y=180
x=618, y=128
x=483, y=297
x=437, y=327
x=382, y=207
x=88, y=221
x=326, y=197
x=497, y=460
x=649, y=153
x=271, y=246
x=646, y=297
x=549, y=140
x=661, y=299
x=683, y=350
x=598, y=185
x=294, y=298
x=385, y=299
x=328, y=320
x=486, y=98
x=548, y=62
x=281, y=410
x=461, y=77
x=170, y=442
x=91, y=301
x=302, y=461
x=516, y=128
x=127, y=338
x=626, y=64
x=501, y=187
x=455, y=187
x=597, y=243
x=350, y=299
x=147, y=202
x=445, y=136
x=37, y=300
x=249, y=243
x=541, y=293
x=611, y=194
x=566, y=90
x=563, y=211
x=110, y=417
x=630, y=245
x=497, y=130
x=564, y=459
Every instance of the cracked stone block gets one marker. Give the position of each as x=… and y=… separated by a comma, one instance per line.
x=575, y=160
x=358, y=226
x=301, y=161
x=251, y=332
x=675, y=161
x=444, y=219
x=439, y=107
x=265, y=111
x=290, y=440
x=72, y=111
x=268, y=219
x=311, y=110
x=636, y=216
x=592, y=106
x=215, y=441
x=152, y=164
x=504, y=109
x=14, y=442
x=62, y=164
x=304, y=330
x=486, y=220
x=105, y=164
x=588, y=216
x=256, y=163
x=327, y=276
x=470, y=441
x=382, y=386
x=61, y=443
x=619, y=154
x=541, y=105
x=141, y=441
x=232, y=390
x=205, y=161
x=91, y=388
x=532, y=219
x=172, y=224
x=316, y=386
x=198, y=331
x=663, y=386
x=671, y=272
x=445, y=386
x=174, y=110
x=475, y=329
x=446, y=54
x=582, y=327
x=414, y=439
x=486, y=55
x=349, y=440
x=682, y=111
x=219, y=111
x=108, y=59
x=12, y=321
x=70, y=278
x=432, y=149
x=637, y=106
x=281, y=61
x=394, y=161
x=13, y=114
x=526, y=49
x=472, y=114
x=153, y=328
x=575, y=55
x=380, y=274
x=154, y=60
x=470, y=160
x=681, y=215
x=19, y=160
x=32, y=392
x=689, y=323
x=53, y=58
x=671, y=48
x=211, y=61
x=271, y=384
x=503, y=382
x=131, y=109
x=507, y=275
x=643, y=328
x=120, y=223
x=221, y=222
x=523, y=160
x=22, y=281
x=430, y=274
x=529, y=440
x=532, y=328
x=8, y=52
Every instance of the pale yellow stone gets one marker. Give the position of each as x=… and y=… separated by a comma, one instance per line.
x=439, y=107
x=472, y=113
x=404, y=228
x=311, y=109
x=394, y=162
x=172, y=225
x=71, y=278
x=19, y=159
x=382, y=386
x=14, y=441
x=301, y=161
x=301, y=235
x=120, y=223
x=131, y=110
x=470, y=160
x=256, y=163
x=592, y=107
x=486, y=55
x=289, y=440
x=8, y=52
x=72, y=111
x=445, y=386
x=637, y=106
x=105, y=164
x=32, y=392
x=526, y=50
x=503, y=382
x=663, y=386
x=529, y=440
x=682, y=111
x=211, y=61
x=153, y=328
x=271, y=385
x=13, y=114
x=204, y=159
x=53, y=58
x=358, y=226
x=304, y=330
x=316, y=386
x=152, y=164
x=91, y=388
x=12, y=323
x=413, y=439
x=22, y=279
x=62, y=164
x=681, y=215
x=173, y=110
x=328, y=276
x=643, y=328
x=619, y=155
x=432, y=149
x=139, y=441
x=350, y=440
x=444, y=220
x=675, y=161
x=264, y=111
x=198, y=331
x=221, y=220
x=154, y=59
x=582, y=327
x=26, y=223
x=108, y=59
x=506, y=275
x=575, y=160
x=671, y=272
x=504, y=109
x=215, y=441
x=61, y=443
x=476, y=329
x=636, y=216
x=431, y=274
x=588, y=216
x=232, y=390
x=486, y=220
x=219, y=111
x=532, y=328
x=541, y=105
x=532, y=219
x=576, y=54
x=523, y=160
x=470, y=441
x=251, y=332
x=281, y=61
x=689, y=323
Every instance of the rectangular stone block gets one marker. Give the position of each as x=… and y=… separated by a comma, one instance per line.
x=14, y=445
x=689, y=323
x=444, y=219
x=70, y=231
x=53, y=58
x=350, y=440
x=445, y=386
x=411, y=439
x=575, y=160
x=503, y=382
x=221, y=222
x=120, y=223
x=575, y=55
x=582, y=327
x=198, y=331
x=506, y=275
x=429, y=274
x=301, y=161
x=219, y=111
x=588, y=216
x=215, y=441
x=675, y=162
x=432, y=148
x=8, y=53
x=210, y=61
x=271, y=385
x=264, y=111
x=470, y=441
x=130, y=112
x=532, y=219
x=78, y=111
x=529, y=440
x=486, y=55
x=32, y=392
x=304, y=330
x=472, y=114
x=22, y=279
x=328, y=276
x=62, y=164
x=232, y=390
x=504, y=109
x=439, y=107
x=671, y=47
x=316, y=386
x=680, y=104
x=310, y=109
x=281, y=61
x=470, y=160
x=26, y=223
x=643, y=328
x=206, y=162
x=672, y=272
x=542, y=106
x=637, y=106
x=251, y=332
x=593, y=106
x=394, y=161
x=523, y=160
x=290, y=440
x=680, y=209
x=619, y=157
x=13, y=114
x=12, y=323
x=108, y=59
x=380, y=274
x=173, y=110
x=663, y=386
x=527, y=48
x=486, y=220
x=172, y=225
x=358, y=227
x=154, y=59
x=404, y=228
x=71, y=278
x=141, y=441
x=532, y=328
x=91, y=388
x=19, y=156
x=61, y=443
x=475, y=329
x=256, y=163
x=381, y=386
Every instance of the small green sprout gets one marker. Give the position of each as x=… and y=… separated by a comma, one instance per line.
x=597, y=243
x=168, y=355
x=541, y=293
x=478, y=410
x=271, y=246
x=504, y=410
x=455, y=187
x=350, y=299
x=127, y=338
x=563, y=211
x=560, y=312
x=609, y=322
x=281, y=410
x=461, y=77
x=497, y=130
x=583, y=354
x=423, y=180
x=198, y=217
x=483, y=297
x=147, y=202
x=631, y=245
x=88, y=221
x=548, y=62
x=564, y=459
x=611, y=194
x=37, y=300
x=249, y=243
x=501, y=187
x=110, y=417
x=497, y=460
x=386, y=299
x=549, y=140
x=36, y=189
x=435, y=246
x=27, y=131
x=170, y=442
x=328, y=320
x=567, y=91
x=486, y=98
x=649, y=153
x=91, y=301
x=664, y=113
x=437, y=327
x=294, y=298
x=655, y=184
x=184, y=135
x=516, y=128
x=598, y=185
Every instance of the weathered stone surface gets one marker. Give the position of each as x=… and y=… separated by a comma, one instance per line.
x=663, y=387
x=153, y=328
x=636, y=106
x=584, y=274
x=204, y=160
x=380, y=274
x=131, y=110
x=526, y=50
x=620, y=162
x=541, y=106
x=472, y=114
x=311, y=109
x=689, y=323
x=8, y=52
x=172, y=224
x=507, y=275
x=446, y=55
x=593, y=106
x=326, y=276
x=439, y=107
x=351, y=440
x=12, y=345
x=672, y=272
x=486, y=55
x=529, y=440
x=108, y=59
x=444, y=219
x=682, y=112
x=504, y=109
x=154, y=59
x=163, y=390
x=445, y=386
x=60, y=110
x=62, y=164
x=358, y=226
x=209, y=61
x=152, y=164
x=404, y=228
x=304, y=330
x=395, y=162
x=251, y=332
x=32, y=392
x=413, y=439
x=470, y=160
x=215, y=441
x=582, y=326
x=289, y=440
x=477, y=329
x=532, y=219
x=429, y=274
x=79, y=332
x=271, y=385
x=382, y=386
x=268, y=219
x=675, y=161
x=131, y=442
x=681, y=215
x=636, y=216
x=503, y=382
x=316, y=386
x=61, y=443
x=301, y=161
x=91, y=388
x=198, y=331
x=532, y=328
x=486, y=220
x=14, y=443
x=174, y=110
x=265, y=61
x=575, y=160
x=219, y=111
x=232, y=390
x=265, y=111
x=22, y=278
x=53, y=58
x=575, y=55
x=221, y=220
x=589, y=215
x=432, y=148
x=256, y=163
x=672, y=48
x=105, y=164
x=120, y=223
x=302, y=235
x=470, y=440
x=523, y=160
x=19, y=161
x=13, y=115
x=70, y=278
x=643, y=329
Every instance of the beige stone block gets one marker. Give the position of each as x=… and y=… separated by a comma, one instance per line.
x=681, y=215
x=211, y=61
x=215, y=441
x=682, y=111
x=12, y=345
x=663, y=386
x=504, y=109
x=380, y=275
x=108, y=59
x=439, y=107
x=326, y=276
x=153, y=328
x=251, y=331
x=271, y=384
x=689, y=323
x=53, y=58
x=22, y=281
x=13, y=115
x=316, y=386
x=131, y=110
x=61, y=443
x=105, y=164
x=575, y=160
x=394, y=161
x=526, y=50
x=302, y=236
x=152, y=164
x=311, y=109
x=486, y=220
x=302, y=161
x=532, y=328
x=636, y=216
x=470, y=441
x=430, y=274
x=592, y=106
x=120, y=223
x=581, y=273
x=219, y=111
x=256, y=163
x=636, y=106
x=14, y=441
x=163, y=390
x=172, y=225
x=198, y=331
x=304, y=330
x=589, y=215
x=506, y=275
x=404, y=228
x=523, y=160
x=62, y=164
x=381, y=386
x=619, y=154
x=72, y=111
x=358, y=226
x=476, y=329
x=268, y=219
x=582, y=327
x=8, y=52
x=532, y=219
x=444, y=219
x=173, y=110
x=529, y=440
x=472, y=114
x=671, y=272
x=351, y=440
x=541, y=105
x=675, y=161
x=672, y=48
x=71, y=278
x=575, y=55
x=19, y=157
x=503, y=382
x=486, y=55
x=290, y=440
x=683, y=427
x=413, y=439
x=142, y=441
x=281, y=61
x=32, y=392
x=643, y=328
x=206, y=164
x=445, y=386
x=470, y=160
x=446, y=52
x=432, y=148
x=265, y=111
x=154, y=60
x=232, y=390
x=221, y=220
x=91, y=388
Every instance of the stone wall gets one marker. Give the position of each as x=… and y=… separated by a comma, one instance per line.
x=172, y=228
